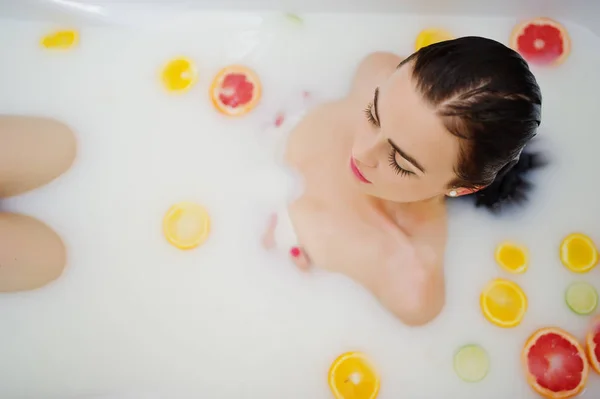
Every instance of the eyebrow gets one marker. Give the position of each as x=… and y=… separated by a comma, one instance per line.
x=404, y=155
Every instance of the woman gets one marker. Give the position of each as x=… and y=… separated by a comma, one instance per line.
x=449, y=121
x=33, y=152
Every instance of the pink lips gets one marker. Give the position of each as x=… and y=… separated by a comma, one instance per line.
x=357, y=172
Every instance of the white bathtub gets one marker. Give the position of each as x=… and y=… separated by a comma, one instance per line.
x=578, y=11
x=133, y=318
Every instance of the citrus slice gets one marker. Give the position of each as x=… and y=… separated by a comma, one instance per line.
x=512, y=257
x=235, y=90
x=186, y=225
x=471, y=363
x=179, y=75
x=541, y=41
x=351, y=376
x=555, y=363
x=60, y=40
x=430, y=36
x=593, y=344
x=295, y=18
x=503, y=303
x=578, y=253
x=581, y=298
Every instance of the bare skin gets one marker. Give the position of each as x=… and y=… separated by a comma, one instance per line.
x=389, y=235
x=33, y=152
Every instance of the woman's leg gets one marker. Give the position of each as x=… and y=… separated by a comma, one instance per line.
x=33, y=152
x=31, y=254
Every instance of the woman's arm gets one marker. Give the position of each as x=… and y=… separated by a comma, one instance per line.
x=413, y=285
x=404, y=273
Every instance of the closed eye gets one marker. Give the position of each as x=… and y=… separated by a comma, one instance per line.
x=371, y=110
x=369, y=114
x=397, y=168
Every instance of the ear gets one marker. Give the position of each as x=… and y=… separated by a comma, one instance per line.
x=459, y=192
x=467, y=191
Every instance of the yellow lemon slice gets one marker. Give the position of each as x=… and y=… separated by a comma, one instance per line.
x=512, y=257
x=186, y=225
x=351, y=376
x=430, y=36
x=503, y=303
x=578, y=253
x=60, y=40
x=179, y=75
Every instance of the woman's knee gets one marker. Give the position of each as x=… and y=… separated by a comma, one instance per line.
x=31, y=254
x=33, y=152
x=62, y=142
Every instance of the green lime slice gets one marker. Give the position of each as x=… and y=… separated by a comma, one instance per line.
x=295, y=18
x=471, y=363
x=581, y=298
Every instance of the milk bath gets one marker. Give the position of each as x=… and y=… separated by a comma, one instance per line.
x=134, y=316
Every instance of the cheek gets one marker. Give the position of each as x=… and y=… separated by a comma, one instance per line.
x=405, y=187
x=391, y=182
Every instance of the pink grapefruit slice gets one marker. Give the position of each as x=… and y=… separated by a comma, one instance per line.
x=235, y=90
x=555, y=363
x=541, y=41
x=593, y=344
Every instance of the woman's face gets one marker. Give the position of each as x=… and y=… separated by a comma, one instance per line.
x=402, y=152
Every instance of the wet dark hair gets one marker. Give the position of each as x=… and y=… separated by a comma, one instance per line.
x=488, y=97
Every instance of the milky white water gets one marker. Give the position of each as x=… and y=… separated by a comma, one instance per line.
x=133, y=315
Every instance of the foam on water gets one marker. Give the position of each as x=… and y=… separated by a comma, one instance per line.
x=132, y=314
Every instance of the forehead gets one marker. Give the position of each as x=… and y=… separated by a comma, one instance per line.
x=414, y=126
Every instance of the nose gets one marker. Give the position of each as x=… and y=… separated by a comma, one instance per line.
x=366, y=151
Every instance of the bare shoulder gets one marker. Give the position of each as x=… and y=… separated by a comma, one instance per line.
x=413, y=285
x=308, y=137
x=372, y=71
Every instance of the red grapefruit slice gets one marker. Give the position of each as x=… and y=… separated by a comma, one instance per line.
x=235, y=91
x=541, y=41
x=555, y=363
x=593, y=344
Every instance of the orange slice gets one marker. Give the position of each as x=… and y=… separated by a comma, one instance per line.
x=186, y=225
x=430, y=36
x=541, y=41
x=593, y=343
x=351, y=376
x=512, y=257
x=555, y=363
x=179, y=75
x=578, y=253
x=235, y=90
x=503, y=303
x=60, y=40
